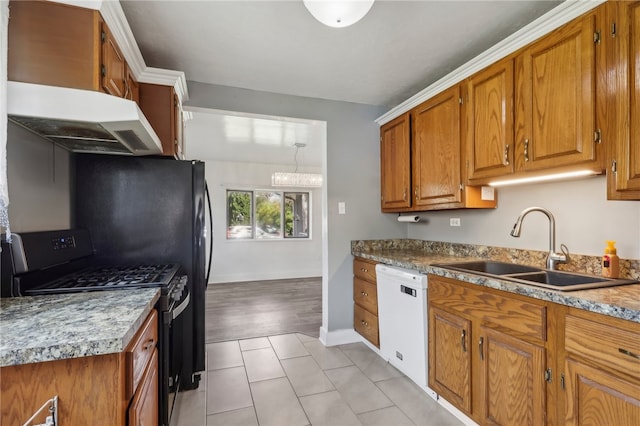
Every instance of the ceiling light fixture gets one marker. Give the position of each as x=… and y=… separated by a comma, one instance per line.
x=295, y=179
x=556, y=176
x=338, y=14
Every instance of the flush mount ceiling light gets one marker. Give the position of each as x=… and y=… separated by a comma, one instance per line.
x=338, y=14
x=295, y=179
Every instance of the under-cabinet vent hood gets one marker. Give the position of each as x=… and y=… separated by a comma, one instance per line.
x=82, y=120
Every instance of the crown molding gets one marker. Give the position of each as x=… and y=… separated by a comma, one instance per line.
x=164, y=77
x=555, y=18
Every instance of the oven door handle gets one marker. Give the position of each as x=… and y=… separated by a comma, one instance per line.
x=175, y=313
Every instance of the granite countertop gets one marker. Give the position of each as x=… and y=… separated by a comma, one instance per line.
x=61, y=326
x=620, y=302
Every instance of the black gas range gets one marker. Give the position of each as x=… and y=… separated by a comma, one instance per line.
x=57, y=262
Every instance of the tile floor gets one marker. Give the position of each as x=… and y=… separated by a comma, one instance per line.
x=292, y=379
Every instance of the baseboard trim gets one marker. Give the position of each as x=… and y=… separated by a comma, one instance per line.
x=338, y=337
x=457, y=413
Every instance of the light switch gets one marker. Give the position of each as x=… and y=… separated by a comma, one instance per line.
x=342, y=208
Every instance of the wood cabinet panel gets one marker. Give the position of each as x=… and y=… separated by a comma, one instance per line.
x=595, y=397
x=449, y=357
x=366, y=324
x=556, y=101
x=436, y=151
x=623, y=135
x=113, y=65
x=158, y=103
x=364, y=269
x=365, y=294
x=395, y=162
x=489, y=122
x=506, y=312
x=54, y=44
x=143, y=410
x=140, y=352
x=513, y=379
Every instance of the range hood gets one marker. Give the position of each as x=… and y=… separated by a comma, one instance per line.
x=82, y=120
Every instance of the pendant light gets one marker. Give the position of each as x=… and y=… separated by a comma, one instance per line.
x=336, y=13
x=295, y=179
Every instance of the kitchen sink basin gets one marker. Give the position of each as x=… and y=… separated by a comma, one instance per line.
x=555, y=280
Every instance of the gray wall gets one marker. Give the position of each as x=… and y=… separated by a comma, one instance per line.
x=353, y=176
x=584, y=220
x=38, y=177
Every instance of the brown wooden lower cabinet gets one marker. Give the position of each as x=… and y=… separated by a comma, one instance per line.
x=92, y=390
x=365, y=298
x=506, y=359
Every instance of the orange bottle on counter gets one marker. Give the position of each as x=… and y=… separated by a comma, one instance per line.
x=610, y=261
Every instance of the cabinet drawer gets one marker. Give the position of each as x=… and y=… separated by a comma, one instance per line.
x=364, y=269
x=139, y=352
x=492, y=306
x=365, y=294
x=366, y=324
x=605, y=344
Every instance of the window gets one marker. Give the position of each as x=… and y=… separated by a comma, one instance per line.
x=262, y=215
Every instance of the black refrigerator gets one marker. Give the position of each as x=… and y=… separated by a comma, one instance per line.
x=150, y=210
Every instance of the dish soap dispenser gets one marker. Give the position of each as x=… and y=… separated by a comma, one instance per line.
x=610, y=261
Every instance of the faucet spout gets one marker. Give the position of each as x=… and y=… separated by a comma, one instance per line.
x=553, y=258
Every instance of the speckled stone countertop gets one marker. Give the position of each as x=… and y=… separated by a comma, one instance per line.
x=620, y=302
x=47, y=328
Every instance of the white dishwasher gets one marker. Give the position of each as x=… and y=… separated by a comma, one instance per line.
x=402, y=321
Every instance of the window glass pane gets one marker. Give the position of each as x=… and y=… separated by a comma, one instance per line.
x=296, y=214
x=268, y=214
x=239, y=221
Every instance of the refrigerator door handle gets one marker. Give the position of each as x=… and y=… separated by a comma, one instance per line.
x=206, y=192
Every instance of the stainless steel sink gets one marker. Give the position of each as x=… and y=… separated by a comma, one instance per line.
x=556, y=280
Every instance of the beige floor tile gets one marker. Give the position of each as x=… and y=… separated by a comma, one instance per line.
x=305, y=376
x=357, y=390
x=241, y=417
x=415, y=403
x=328, y=409
x=370, y=363
x=287, y=346
x=276, y=404
x=223, y=355
x=327, y=357
x=257, y=343
x=305, y=338
x=227, y=390
x=386, y=417
x=262, y=364
x=190, y=409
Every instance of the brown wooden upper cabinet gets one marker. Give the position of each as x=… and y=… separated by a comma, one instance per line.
x=623, y=104
x=489, y=122
x=62, y=45
x=161, y=106
x=395, y=162
x=421, y=157
x=556, y=92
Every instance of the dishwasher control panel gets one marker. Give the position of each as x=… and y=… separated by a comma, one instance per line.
x=408, y=290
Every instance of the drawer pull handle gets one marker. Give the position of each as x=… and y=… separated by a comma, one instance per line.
x=364, y=270
x=363, y=322
x=463, y=340
x=150, y=344
x=363, y=293
x=626, y=352
x=480, y=349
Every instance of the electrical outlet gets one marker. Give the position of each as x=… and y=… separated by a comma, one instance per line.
x=342, y=208
x=454, y=221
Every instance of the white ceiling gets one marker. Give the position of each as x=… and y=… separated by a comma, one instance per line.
x=395, y=51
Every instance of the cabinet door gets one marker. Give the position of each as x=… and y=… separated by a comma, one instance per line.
x=143, y=410
x=596, y=397
x=450, y=357
x=513, y=386
x=488, y=118
x=624, y=64
x=395, y=164
x=555, y=98
x=113, y=65
x=436, y=150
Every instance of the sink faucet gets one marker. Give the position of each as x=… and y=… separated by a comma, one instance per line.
x=553, y=258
